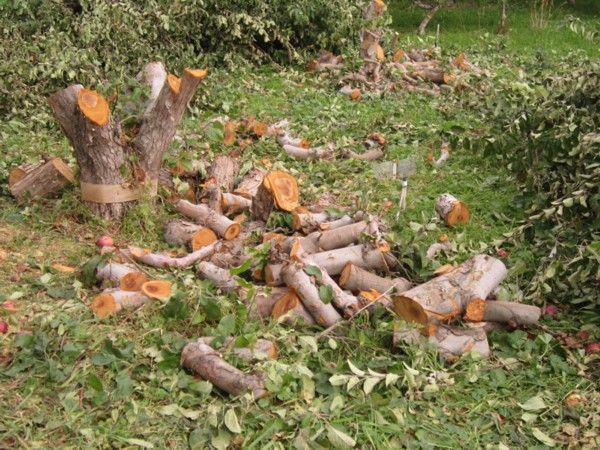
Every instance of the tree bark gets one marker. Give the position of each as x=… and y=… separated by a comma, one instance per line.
x=262, y=349
x=355, y=279
x=162, y=260
x=41, y=180
x=446, y=297
x=109, y=181
x=296, y=278
x=234, y=204
x=223, y=171
x=423, y=25
x=363, y=256
x=512, y=313
x=203, y=360
x=221, y=278
x=224, y=227
x=180, y=232
x=325, y=152
x=248, y=187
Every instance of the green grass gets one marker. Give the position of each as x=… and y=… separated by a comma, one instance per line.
x=72, y=381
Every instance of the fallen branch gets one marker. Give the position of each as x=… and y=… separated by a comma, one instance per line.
x=325, y=152
x=204, y=361
x=290, y=310
x=163, y=260
x=498, y=311
x=261, y=349
x=224, y=227
x=356, y=279
x=333, y=261
x=111, y=301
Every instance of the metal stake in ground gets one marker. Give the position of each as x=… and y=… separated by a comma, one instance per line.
x=398, y=170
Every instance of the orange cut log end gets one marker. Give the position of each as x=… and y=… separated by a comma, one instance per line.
x=286, y=303
x=449, y=77
x=399, y=55
x=104, y=305
x=284, y=188
x=345, y=275
x=380, y=53
x=158, y=289
x=15, y=175
x=459, y=215
x=355, y=94
x=202, y=238
x=229, y=130
x=197, y=73
x=379, y=7
x=174, y=83
x=132, y=281
x=475, y=310
x=93, y=106
x=410, y=310
x=277, y=237
x=259, y=128
x=370, y=295
x=232, y=231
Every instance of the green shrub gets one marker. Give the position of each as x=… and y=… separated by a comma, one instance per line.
x=548, y=132
x=47, y=44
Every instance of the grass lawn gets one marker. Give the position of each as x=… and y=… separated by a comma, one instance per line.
x=70, y=380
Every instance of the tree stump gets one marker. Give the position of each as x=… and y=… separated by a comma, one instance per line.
x=116, y=169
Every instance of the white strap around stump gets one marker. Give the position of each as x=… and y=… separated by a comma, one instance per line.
x=116, y=193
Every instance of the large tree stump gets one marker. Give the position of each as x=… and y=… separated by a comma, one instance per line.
x=277, y=190
x=447, y=296
x=248, y=187
x=116, y=170
x=39, y=180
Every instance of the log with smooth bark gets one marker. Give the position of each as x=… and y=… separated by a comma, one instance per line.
x=221, y=278
x=180, y=232
x=364, y=256
x=260, y=350
x=437, y=247
x=224, y=227
x=111, y=301
x=296, y=278
x=109, y=181
x=325, y=152
x=339, y=237
x=206, y=362
x=290, y=310
x=234, y=204
x=114, y=272
x=446, y=297
x=452, y=210
x=307, y=221
x=277, y=190
x=41, y=180
x=163, y=260
x=370, y=155
x=356, y=279
x=512, y=313
x=451, y=342
x=337, y=223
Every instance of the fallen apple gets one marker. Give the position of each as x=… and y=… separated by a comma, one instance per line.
x=3, y=327
x=592, y=348
x=550, y=310
x=104, y=241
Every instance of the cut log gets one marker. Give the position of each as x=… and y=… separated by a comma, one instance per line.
x=17, y=173
x=512, y=313
x=353, y=93
x=259, y=351
x=223, y=171
x=307, y=221
x=133, y=281
x=109, y=181
x=371, y=53
x=224, y=227
x=180, y=232
x=437, y=76
x=162, y=260
x=296, y=278
x=159, y=289
x=326, y=61
x=325, y=152
x=41, y=180
x=248, y=187
x=112, y=301
x=444, y=155
x=355, y=279
x=221, y=278
x=273, y=274
x=290, y=310
x=234, y=204
x=437, y=247
x=337, y=223
x=333, y=261
x=451, y=342
x=114, y=272
x=375, y=9
x=277, y=190
x=452, y=210
x=341, y=237
x=206, y=362
x=446, y=297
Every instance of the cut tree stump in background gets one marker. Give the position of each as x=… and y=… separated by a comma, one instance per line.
x=110, y=181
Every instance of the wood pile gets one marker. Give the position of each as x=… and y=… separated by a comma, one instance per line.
x=322, y=273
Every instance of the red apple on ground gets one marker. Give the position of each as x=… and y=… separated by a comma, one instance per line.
x=550, y=310
x=502, y=253
x=3, y=327
x=592, y=348
x=104, y=241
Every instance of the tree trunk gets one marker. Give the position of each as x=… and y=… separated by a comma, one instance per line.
x=427, y=19
x=446, y=297
x=203, y=360
x=109, y=181
x=248, y=187
x=355, y=279
x=277, y=190
x=40, y=180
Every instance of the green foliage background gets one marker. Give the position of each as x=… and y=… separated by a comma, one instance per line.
x=47, y=44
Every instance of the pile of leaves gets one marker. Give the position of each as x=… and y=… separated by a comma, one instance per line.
x=47, y=44
x=546, y=131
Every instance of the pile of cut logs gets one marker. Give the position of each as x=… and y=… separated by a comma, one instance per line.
x=331, y=268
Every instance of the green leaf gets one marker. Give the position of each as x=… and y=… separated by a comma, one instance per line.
x=355, y=370
x=88, y=271
x=533, y=404
x=241, y=268
x=339, y=439
x=338, y=379
x=314, y=271
x=231, y=421
x=543, y=437
x=226, y=325
x=169, y=410
x=370, y=384
x=326, y=293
